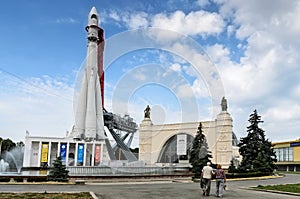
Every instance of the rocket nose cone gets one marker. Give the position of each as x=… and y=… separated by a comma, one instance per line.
x=93, y=11
x=93, y=17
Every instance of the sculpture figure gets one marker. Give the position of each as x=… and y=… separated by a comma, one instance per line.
x=147, y=112
x=224, y=104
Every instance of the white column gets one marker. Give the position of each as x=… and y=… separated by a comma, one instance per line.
x=58, y=149
x=93, y=155
x=28, y=154
x=84, y=154
x=49, y=153
x=76, y=154
x=67, y=153
x=40, y=153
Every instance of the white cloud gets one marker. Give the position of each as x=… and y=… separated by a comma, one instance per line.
x=230, y=30
x=200, y=89
x=203, y=3
x=114, y=15
x=175, y=67
x=185, y=91
x=43, y=106
x=132, y=20
x=191, y=71
x=68, y=20
x=218, y=53
x=295, y=91
x=286, y=111
x=266, y=77
x=137, y=20
x=277, y=16
x=193, y=23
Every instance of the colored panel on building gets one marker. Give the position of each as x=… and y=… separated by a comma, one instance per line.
x=80, y=153
x=293, y=144
x=296, y=153
x=97, y=154
x=281, y=145
x=45, y=149
x=43, y=172
x=181, y=144
x=63, y=151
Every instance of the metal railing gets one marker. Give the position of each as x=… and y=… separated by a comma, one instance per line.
x=120, y=171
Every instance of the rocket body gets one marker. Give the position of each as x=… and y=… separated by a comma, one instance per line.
x=89, y=124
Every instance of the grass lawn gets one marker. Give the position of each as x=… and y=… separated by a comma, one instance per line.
x=294, y=188
x=83, y=195
x=289, y=172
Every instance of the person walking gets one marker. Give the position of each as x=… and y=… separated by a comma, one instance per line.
x=205, y=178
x=220, y=180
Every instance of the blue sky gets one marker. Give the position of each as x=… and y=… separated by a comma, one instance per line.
x=180, y=57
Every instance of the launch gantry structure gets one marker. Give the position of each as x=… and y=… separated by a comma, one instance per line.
x=115, y=123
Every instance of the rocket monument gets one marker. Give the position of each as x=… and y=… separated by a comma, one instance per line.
x=87, y=144
x=89, y=124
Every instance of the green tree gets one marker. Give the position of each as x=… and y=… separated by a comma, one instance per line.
x=232, y=167
x=58, y=172
x=20, y=144
x=7, y=145
x=200, y=154
x=256, y=150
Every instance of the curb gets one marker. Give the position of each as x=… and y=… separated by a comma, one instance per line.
x=131, y=180
x=241, y=179
x=255, y=178
x=37, y=183
x=274, y=191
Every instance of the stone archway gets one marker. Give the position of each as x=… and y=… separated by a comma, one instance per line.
x=168, y=151
x=155, y=139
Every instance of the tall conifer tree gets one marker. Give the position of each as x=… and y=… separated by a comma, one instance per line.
x=256, y=150
x=200, y=154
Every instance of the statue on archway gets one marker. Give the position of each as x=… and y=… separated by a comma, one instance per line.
x=224, y=104
x=147, y=112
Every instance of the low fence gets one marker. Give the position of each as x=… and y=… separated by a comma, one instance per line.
x=98, y=171
x=80, y=171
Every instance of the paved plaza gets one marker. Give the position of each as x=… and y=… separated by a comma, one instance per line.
x=160, y=189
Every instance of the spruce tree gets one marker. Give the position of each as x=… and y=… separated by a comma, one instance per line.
x=256, y=150
x=232, y=168
x=58, y=172
x=200, y=154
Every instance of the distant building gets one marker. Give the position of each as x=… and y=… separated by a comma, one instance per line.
x=288, y=155
x=42, y=151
